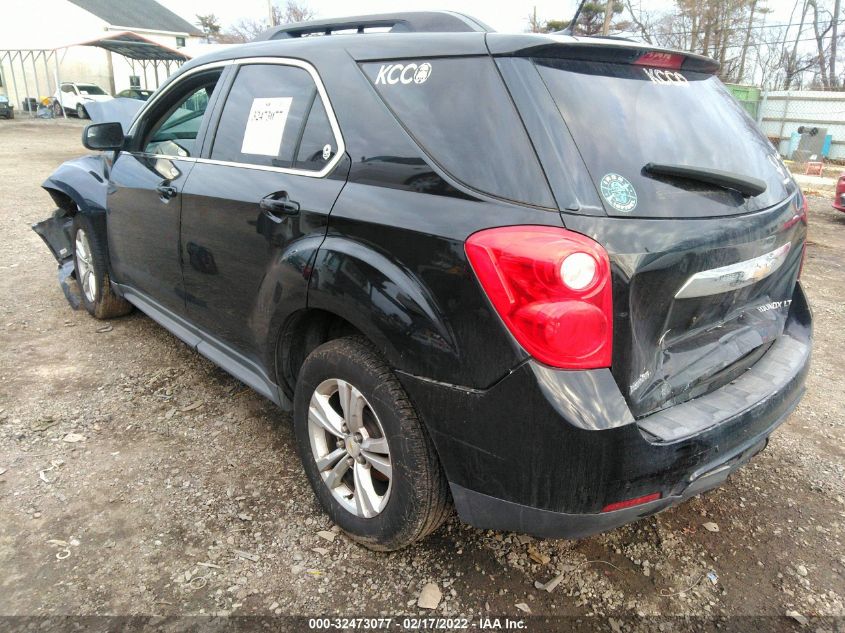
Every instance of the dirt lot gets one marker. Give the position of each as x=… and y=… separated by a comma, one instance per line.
x=183, y=494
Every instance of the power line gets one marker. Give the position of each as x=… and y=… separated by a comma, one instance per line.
x=743, y=29
x=759, y=44
x=746, y=28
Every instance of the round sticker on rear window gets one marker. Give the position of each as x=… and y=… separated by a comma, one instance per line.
x=619, y=193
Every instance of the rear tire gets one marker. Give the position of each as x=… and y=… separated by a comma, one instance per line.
x=91, y=264
x=382, y=436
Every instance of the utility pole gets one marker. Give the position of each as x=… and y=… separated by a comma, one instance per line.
x=271, y=14
x=608, y=13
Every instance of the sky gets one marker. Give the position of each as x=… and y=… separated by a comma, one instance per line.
x=506, y=16
x=502, y=16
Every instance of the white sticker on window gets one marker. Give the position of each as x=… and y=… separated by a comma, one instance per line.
x=266, y=126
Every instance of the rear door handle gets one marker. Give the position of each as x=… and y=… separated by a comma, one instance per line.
x=166, y=192
x=278, y=204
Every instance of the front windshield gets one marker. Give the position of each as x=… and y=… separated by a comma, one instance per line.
x=90, y=89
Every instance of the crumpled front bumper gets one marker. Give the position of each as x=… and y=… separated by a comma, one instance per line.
x=56, y=231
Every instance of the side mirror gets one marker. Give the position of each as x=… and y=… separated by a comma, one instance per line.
x=103, y=136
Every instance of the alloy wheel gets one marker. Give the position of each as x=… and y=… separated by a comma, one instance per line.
x=85, y=266
x=350, y=448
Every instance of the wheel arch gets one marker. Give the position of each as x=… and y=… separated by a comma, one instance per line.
x=76, y=187
x=303, y=332
x=385, y=302
x=80, y=185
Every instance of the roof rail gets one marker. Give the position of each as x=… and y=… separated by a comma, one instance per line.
x=403, y=22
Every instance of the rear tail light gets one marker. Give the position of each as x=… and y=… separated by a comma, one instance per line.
x=630, y=503
x=552, y=289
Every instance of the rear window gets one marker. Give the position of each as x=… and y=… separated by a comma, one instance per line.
x=460, y=113
x=624, y=116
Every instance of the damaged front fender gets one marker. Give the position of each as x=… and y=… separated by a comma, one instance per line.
x=77, y=186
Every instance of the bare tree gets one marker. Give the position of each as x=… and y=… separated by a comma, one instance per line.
x=792, y=65
x=744, y=53
x=641, y=21
x=834, y=80
x=247, y=29
x=735, y=33
x=824, y=22
x=293, y=12
x=535, y=25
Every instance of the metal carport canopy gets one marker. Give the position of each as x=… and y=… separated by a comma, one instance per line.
x=134, y=46
x=130, y=45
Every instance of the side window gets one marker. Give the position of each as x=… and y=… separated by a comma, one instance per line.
x=174, y=132
x=317, y=146
x=68, y=89
x=459, y=111
x=262, y=121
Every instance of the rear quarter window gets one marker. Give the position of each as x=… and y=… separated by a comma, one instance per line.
x=460, y=113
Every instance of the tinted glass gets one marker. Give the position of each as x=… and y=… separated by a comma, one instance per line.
x=318, y=143
x=622, y=119
x=90, y=89
x=176, y=132
x=459, y=111
x=263, y=116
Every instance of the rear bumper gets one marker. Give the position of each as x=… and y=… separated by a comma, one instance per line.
x=543, y=451
x=491, y=513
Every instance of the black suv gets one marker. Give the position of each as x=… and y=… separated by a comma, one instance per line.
x=551, y=279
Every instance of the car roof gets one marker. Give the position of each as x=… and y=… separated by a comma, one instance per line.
x=383, y=46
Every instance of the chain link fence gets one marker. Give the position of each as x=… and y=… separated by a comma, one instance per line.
x=804, y=125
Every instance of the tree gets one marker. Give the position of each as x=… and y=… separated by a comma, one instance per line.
x=210, y=27
x=293, y=12
x=744, y=54
x=803, y=51
x=248, y=29
x=641, y=21
x=834, y=80
x=535, y=25
x=590, y=20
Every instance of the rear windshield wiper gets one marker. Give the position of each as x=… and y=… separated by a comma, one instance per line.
x=746, y=185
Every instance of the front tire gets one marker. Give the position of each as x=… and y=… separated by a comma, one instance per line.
x=91, y=267
x=364, y=450
x=80, y=111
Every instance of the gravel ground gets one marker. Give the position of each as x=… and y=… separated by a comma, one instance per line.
x=137, y=478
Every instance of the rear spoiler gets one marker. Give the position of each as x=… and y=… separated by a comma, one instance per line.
x=598, y=50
